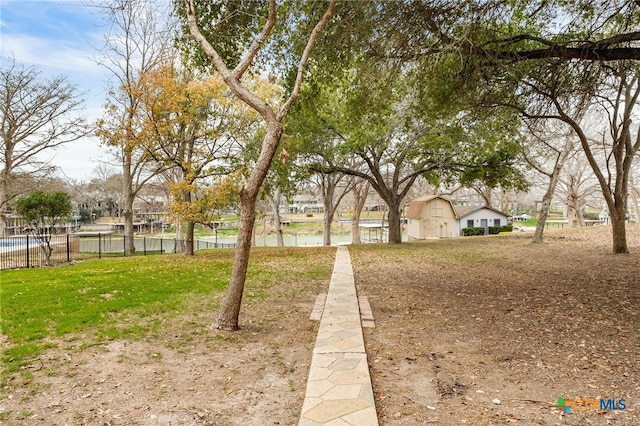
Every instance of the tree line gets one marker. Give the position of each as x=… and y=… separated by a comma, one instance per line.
x=235, y=100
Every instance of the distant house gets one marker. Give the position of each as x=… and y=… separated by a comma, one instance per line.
x=431, y=216
x=305, y=203
x=479, y=216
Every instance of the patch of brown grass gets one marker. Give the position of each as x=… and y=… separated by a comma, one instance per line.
x=463, y=323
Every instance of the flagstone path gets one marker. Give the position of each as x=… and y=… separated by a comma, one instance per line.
x=339, y=388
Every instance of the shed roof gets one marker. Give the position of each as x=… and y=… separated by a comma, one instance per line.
x=416, y=206
x=462, y=211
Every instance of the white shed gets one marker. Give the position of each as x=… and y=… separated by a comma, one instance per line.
x=479, y=216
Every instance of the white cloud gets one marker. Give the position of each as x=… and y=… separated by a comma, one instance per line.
x=74, y=61
x=50, y=54
x=78, y=159
x=62, y=37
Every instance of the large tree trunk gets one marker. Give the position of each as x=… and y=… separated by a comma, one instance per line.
x=327, y=200
x=328, y=187
x=395, y=227
x=230, y=307
x=329, y=184
x=355, y=227
x=188, y=247
x=326, y=226
x=188, y=243
x=542, y=218
x=574, y=199
x=617, y=214
x=618, y=198
x=619, y=233
x=127, y=211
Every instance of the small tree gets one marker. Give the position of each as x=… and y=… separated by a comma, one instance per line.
x=193, y=125
x=44, y=211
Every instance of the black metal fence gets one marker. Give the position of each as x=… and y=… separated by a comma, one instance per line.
x=27, y=252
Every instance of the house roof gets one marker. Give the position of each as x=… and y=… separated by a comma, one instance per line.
x=416, y=206
x=462, y=211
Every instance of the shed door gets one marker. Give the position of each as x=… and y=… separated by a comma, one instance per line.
x=444, y=231
x=485, y=224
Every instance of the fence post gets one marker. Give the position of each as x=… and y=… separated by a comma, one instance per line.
x=99, y=246
x=144, y=245
x=124, y=245
x=68, y=248
x=161, y=252
x=28, y=251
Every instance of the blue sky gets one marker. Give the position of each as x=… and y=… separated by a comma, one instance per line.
x=61, y=37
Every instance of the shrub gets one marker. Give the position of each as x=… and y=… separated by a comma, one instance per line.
x=475, y=230
x=498, y=229
x=479, y=230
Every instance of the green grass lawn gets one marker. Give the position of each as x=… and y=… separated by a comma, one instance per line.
x=128, y=297
x=529, y=222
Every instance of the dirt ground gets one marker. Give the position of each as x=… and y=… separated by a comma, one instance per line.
x=183, y=374
x=493, y=331
x=477, y=331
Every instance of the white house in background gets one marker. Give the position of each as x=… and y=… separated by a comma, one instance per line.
x=479, y=216
x=431, y=216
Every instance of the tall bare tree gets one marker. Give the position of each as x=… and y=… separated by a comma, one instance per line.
x=36, y=116
x=620, y=137
x=333, y=187
x=272, y=116
x=360, y=191
x=140, y=38
x=577, y=186
x=546, y=151
x=618, y=140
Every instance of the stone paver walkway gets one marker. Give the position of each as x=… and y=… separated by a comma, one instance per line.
x=339, y=387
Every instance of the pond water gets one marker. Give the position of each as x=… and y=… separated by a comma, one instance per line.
x=292, y=240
